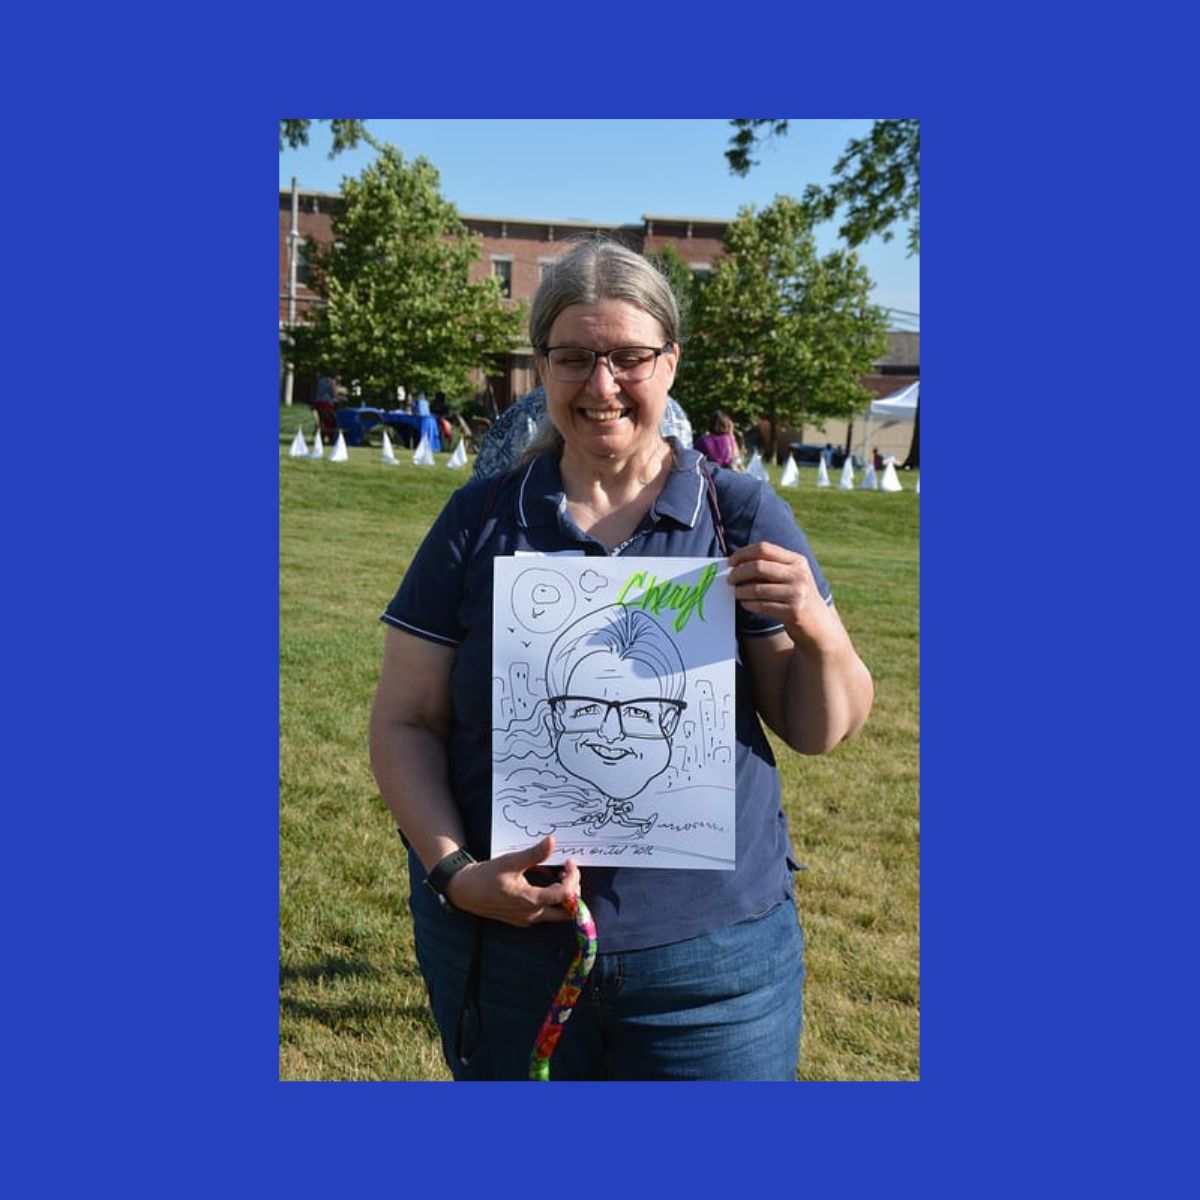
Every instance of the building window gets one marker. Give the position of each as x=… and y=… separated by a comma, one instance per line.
x=502, y=269
x=302, y=275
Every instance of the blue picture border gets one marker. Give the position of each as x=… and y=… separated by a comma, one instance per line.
x=169, y=922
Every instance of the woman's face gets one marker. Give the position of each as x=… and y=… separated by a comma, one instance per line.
x=600, y=416
x=617, y=751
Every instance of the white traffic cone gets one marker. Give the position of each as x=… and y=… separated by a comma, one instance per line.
x=459, y=457
x=822, y=473
x=299, y=446
x=339, y=449
x=318, y=451
x=791, y=474
x=422, y=455
x=917, y=489
x=890, y=482
x=846, y=483
x=387, y=454
x=757, y=469
x=869, y=482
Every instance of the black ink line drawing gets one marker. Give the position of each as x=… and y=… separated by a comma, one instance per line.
x=542, y=600
x=615, y=683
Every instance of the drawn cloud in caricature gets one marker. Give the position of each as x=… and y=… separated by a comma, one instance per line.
x=542, y=600
x=592, y=581
x=539, y=802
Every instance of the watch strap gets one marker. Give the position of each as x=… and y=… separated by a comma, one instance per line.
x=444, y=871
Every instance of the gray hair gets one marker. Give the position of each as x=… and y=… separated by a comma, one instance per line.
x=600, y=269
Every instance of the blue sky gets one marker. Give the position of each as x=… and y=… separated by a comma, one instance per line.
x=616, y=171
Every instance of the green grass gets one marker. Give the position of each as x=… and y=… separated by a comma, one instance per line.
x=352, y=1003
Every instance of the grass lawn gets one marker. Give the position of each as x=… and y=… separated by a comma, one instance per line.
x=352, y=1003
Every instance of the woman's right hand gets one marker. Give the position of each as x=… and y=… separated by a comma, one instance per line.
x=499, y=890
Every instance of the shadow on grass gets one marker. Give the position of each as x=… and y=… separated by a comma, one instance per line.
x=329, y=968
x=338, y=1015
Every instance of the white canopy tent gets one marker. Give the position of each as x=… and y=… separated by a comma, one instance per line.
x=899, y=406
x=888, y=410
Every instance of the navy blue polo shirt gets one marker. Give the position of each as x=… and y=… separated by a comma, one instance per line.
x=446, y=596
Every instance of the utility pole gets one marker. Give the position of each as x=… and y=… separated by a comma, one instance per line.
x=293, y=239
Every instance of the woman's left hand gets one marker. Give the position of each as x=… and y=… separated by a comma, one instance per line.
x=779, y=583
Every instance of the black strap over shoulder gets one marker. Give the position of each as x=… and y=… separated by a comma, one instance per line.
x=714, y=504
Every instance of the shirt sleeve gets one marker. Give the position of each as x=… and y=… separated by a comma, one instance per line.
x=430, y=595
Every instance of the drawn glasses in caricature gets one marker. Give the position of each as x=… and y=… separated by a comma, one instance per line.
x=640, y=717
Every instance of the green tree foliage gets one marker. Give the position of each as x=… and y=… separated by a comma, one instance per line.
x=877, y=178
x=399, y=307
x=745, y=139
x=778, y=332
x=878, y=181
x=346, y=134
x=679, y=275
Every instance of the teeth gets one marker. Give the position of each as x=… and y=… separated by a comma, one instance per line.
x=608, y=415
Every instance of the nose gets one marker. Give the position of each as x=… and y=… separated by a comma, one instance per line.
x=601, y=380
x=610, y=727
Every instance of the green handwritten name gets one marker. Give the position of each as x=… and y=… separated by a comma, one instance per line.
x=664, y=595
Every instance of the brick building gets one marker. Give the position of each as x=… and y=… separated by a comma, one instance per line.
x=519, y=249
x=515, y=249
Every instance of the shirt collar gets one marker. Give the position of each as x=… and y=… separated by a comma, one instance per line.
x=540, y=491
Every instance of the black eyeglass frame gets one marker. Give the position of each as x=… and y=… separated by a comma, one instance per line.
x=657, y=351
x=676, y=705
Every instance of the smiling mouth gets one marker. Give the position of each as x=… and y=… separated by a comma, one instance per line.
x=608, y=754
x=603, y=415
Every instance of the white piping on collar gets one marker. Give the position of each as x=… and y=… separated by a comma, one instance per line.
x=699, y=492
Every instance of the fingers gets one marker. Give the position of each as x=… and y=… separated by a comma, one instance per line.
x=499, y=889
x=522, y=860
x=768, y=575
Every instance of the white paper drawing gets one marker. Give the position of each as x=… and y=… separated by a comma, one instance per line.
x=613, y=710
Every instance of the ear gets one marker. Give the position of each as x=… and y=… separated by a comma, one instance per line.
x=671, y=362
x=540, y=363
x=670, y=722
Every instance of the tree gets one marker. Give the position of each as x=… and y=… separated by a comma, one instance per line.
x=346, y=134
x=777, y=332
x=877, y=179
x=399, y=307
x=679, y=275
x=744, y=141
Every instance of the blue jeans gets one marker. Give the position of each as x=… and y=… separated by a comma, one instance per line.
x=723, y=1006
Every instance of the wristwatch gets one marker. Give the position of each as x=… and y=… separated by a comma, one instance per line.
x=440, y=876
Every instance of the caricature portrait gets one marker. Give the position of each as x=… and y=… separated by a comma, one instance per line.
x=616, y=684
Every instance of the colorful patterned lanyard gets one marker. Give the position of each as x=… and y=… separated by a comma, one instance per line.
x=568, y=991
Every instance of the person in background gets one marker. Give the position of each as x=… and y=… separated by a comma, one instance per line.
x=699, y=974
x=719, y=444
x=325, y=406
x=515, y=428
x=877, y=459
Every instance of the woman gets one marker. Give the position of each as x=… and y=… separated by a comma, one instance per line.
x=700, y=972
x=719, y=444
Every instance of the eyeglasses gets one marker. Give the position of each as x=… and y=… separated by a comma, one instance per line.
x=648, y=717
x=629, y=364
